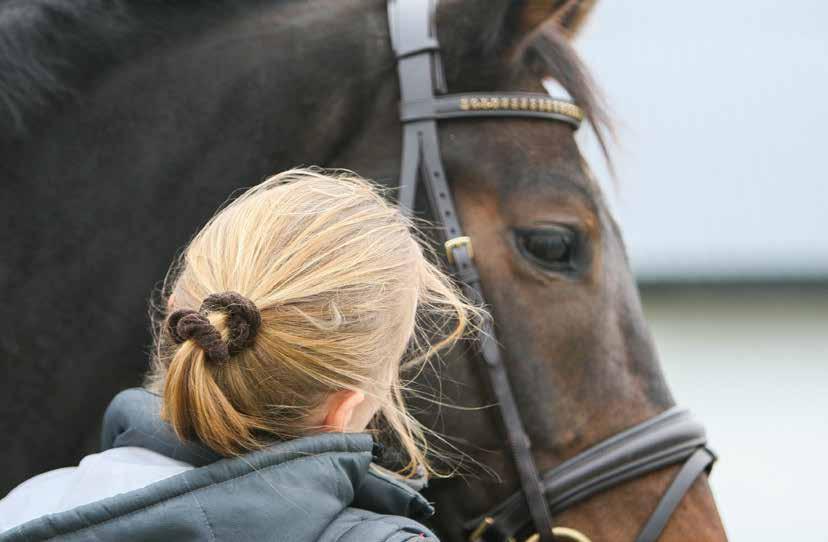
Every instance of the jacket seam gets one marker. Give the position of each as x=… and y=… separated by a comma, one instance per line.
x=349, y=529
x=201, y=508
x=193, y=491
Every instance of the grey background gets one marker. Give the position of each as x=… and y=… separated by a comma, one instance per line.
x=721, y=194
x=723, y=161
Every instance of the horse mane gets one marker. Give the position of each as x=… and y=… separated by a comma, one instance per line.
x=51, y=50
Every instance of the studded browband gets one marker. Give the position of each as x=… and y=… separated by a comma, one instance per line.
x=485, y=104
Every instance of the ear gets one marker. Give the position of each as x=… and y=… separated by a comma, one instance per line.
x=569, y=15
x=505, y=22
x=468, y=28
x=340, y=408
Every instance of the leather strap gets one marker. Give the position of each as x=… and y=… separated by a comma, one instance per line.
x=493, y=104
x=669, y=438
x=700, y=461
x=412, y=29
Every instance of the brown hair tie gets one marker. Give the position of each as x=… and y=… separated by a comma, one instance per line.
x=243, y=322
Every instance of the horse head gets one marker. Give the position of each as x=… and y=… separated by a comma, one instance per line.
x=555, y=272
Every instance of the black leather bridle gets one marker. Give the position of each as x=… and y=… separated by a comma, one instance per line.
x=670, y=438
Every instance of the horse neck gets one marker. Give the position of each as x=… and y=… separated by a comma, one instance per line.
x=123, y=169
x=63, y=49
x=256, y=80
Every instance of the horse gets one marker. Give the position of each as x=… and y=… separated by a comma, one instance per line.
x=124, y=123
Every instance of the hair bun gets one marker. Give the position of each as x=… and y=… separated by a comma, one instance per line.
x=243, y=323
x=243, y=318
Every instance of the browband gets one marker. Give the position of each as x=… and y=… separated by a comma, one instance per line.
x=490, y=104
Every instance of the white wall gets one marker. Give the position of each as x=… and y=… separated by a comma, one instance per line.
x=723, y=174
x=724, y=158
x=753, y=365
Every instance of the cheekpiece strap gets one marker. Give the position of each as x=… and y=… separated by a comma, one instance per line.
x=420, y=72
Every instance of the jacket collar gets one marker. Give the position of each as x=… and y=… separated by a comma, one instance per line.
x=133, y=419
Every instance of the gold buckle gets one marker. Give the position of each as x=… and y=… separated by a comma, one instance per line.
x=563, y=533
x=480, y=529
x=450, y=246
x=487, y=522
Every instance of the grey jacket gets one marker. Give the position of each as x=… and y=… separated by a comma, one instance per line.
x=323, y=487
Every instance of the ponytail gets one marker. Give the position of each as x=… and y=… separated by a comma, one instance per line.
x=194, y=404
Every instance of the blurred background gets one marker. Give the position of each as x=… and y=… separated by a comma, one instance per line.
x=722, y=195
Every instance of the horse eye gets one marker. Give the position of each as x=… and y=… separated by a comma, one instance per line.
x=548, y=247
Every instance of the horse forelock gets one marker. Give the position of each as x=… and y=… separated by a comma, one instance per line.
x=548, y=52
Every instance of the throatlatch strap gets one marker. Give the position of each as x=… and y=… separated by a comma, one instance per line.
x=412, y=36
x=698, y=463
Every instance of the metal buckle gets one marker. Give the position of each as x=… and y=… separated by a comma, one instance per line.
x=477, y=534
x=480, y=529
x=563, y=533
x=450, y=247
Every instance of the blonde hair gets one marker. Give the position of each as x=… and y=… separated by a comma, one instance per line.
x=346, y=296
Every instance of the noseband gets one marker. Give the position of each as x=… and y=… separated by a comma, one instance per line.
x=670, y=438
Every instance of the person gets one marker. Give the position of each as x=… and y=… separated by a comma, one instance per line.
x=280, y=349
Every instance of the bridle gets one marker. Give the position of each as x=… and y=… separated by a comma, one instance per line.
x=670, y=438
